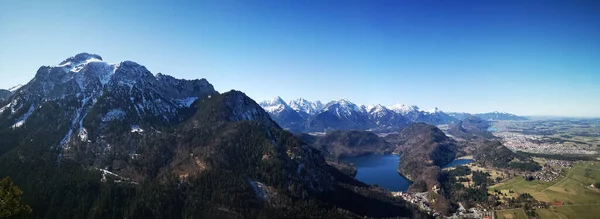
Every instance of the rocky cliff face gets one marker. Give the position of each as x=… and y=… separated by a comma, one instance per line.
x=90, y=95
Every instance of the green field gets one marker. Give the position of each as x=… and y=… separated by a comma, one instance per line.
x=583, y=212
x=511, y=214
x=546, y=213
x=520, y=185
x=586, y=174
x=572, y=189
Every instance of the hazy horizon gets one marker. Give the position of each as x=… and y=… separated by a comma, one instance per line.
x=526, y=58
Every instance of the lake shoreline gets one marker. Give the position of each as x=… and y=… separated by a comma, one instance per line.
x=381, y=169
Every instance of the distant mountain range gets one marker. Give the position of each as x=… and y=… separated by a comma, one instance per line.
x=302, y=115
x=154, y=142
x=88, y=127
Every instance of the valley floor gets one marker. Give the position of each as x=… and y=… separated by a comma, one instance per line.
x=569, y=196
x=511, y=214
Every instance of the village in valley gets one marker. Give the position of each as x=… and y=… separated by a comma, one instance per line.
x=566, y=186
x=557, y=189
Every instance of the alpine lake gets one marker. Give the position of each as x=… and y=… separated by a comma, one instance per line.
x=382, y=170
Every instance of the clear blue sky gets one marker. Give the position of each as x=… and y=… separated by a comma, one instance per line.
x=527, y=57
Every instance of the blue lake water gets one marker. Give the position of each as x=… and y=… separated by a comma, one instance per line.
x=458, y=162
x=379, y=169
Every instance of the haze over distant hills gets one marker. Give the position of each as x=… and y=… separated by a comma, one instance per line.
x=488, y=116
x=302, y=115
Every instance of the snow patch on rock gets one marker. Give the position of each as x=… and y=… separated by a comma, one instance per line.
x=11, y=105
x=15, y=88
x=83, y=135
x=260, y=189
x=22, y=120
x=136, y=129
x=113, y=114
x=76, y=120
x=185, y=102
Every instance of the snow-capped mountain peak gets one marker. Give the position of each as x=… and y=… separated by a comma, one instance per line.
x=342, y=108
x=403, y=108
x=84, y=68
x=274, y=106
x=343, y=103
x=80, y=58
x=115, y=91
x=276, y=100
x=377, y=111
x=376, y=108
x=302, y=115
x=347, y=104
x=306, y=106
x=77, y=62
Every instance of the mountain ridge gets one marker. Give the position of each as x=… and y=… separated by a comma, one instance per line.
x=302, y=115
x=133, y=144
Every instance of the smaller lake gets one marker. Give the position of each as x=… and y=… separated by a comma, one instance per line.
x=458, y=162
x=379, y=169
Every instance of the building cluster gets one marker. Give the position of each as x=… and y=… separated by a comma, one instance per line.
x=550, y=171
x=536, y=144
x=559, y=163
x=544, y=175
x=463, y=213
x=421, y=200
x=418, y=199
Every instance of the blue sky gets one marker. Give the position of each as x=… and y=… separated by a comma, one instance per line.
x=526, y=57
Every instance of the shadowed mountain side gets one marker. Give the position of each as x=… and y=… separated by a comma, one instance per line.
x=103, y=140
x=339, y=144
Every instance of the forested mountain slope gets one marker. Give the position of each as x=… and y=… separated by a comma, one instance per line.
x=88, y=139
